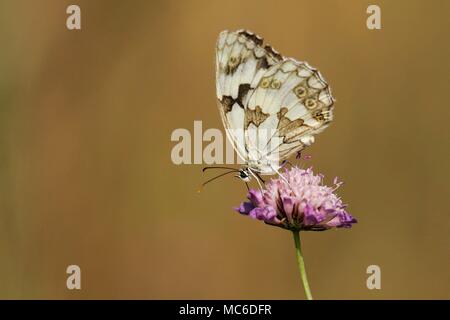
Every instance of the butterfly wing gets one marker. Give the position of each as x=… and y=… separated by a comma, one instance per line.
x=271, y=106
x=296, y=102
x=241, y=61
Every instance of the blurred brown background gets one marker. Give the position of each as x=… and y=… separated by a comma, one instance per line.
x=86, y=176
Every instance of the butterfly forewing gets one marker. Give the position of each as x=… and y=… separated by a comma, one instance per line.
x=240, y=64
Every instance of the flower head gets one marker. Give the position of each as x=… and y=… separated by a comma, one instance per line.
x=298, y=200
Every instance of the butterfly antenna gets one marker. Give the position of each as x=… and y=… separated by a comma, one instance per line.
x=285, y=162
x=214, y=178
x=281, y=175
x=259, y=177
x=208, y=168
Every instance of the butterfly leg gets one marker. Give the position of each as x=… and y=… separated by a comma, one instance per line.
x=285, y=162
x=260, y=179
x=257, y=180
x=280, y=174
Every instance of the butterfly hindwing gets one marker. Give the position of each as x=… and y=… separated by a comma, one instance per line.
x=299, y=98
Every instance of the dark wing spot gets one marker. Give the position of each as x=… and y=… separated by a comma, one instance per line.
x=227, y=103
x=252, y=37
x=282, y=112
x=254, y=116
x=274, y=53
x=262, y=63
x=243, y=90
x=289, y=129
x=233, y=64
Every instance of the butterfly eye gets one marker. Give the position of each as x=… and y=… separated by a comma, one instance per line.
x=265, y=83
x=310, y=103
x=300, y=92
x=275, y=84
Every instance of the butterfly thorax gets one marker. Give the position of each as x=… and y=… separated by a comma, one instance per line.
x=263, y=167
x=256, y=169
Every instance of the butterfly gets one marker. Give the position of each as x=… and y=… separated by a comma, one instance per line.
x=271, y=106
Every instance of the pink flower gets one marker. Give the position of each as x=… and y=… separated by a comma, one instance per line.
x=298, y=201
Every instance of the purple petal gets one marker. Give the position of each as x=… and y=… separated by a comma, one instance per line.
x=342, y=220
x=245, y=208
x=335, y=222
x=310, y=216
x=256, y=197
x=346, y=220
x=288, y=207
x=265, y=214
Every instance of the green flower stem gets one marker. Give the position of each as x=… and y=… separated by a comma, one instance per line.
x=301, y=265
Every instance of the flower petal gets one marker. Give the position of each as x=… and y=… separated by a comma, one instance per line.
x=313, y=216
x=245, y=208
x=256, y=197
x=288, y=207
x=265, y=214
